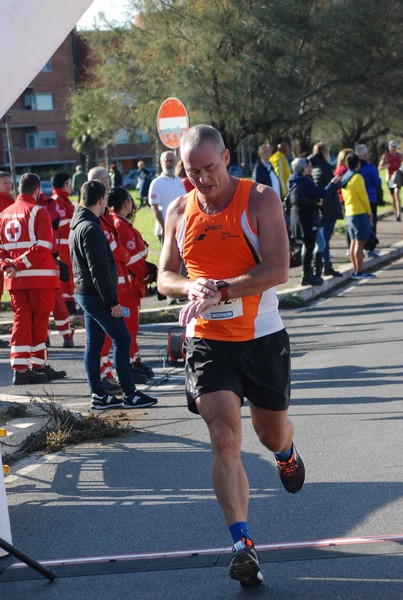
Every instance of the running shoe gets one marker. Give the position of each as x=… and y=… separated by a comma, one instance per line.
x=292, y=472
x=138, y=400
x=244, y=566
x=105, y=402
x=363, y=275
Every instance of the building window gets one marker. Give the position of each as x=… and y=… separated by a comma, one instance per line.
x=141, y=136
x=121, y=136
x=48, y=67
x=41, y=101
x=41, y=139
x=32, y=140
x=47, y=139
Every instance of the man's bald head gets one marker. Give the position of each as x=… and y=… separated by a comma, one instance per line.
x=197, y=135
x=101, y=174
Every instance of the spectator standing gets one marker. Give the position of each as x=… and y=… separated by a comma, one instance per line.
x=79, y=178
x=60, y=205
x=372, y=184
x=163, y=190
x=358, y=215
x=31, y=277
x=115, y=176
x=121, y=256
x=237, y=348
x=61, y=193
x=60, y=311
x=144, y=180
x=96, y=282
x=122, y=210
x=331, y=209
x=263, y=171
x=341, y=167
x=339, y=171
x=100, y=173
x=279, y=160
x=391, y=161
x=305, y=213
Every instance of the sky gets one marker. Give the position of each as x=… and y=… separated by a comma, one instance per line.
x=114, y=11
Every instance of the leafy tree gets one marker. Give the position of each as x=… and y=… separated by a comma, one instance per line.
x=92, y=121
x=257, y=70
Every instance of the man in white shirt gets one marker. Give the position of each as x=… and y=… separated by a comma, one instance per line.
x=163, y=190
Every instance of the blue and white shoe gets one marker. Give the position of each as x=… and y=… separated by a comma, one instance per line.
x=363, y=275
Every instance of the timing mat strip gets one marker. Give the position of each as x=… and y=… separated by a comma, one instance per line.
x=210, y=557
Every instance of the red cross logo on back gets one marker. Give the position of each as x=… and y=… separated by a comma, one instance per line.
x=13, y=230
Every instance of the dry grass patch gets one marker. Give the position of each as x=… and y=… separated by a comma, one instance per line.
x=65, y=428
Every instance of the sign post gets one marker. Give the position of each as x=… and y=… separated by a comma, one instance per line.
x=172, y=122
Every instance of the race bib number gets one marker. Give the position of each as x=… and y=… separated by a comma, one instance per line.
x=225, y=309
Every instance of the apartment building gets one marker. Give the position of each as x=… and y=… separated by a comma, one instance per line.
x=38, y=119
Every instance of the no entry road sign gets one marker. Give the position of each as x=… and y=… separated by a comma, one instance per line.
x=172, y=122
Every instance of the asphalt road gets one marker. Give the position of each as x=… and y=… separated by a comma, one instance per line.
x=151, y=491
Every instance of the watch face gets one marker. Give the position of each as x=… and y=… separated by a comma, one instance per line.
x=222, y=284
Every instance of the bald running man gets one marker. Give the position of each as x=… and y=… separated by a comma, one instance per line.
x=232, y=236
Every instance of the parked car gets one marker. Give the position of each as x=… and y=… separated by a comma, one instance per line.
x=235, y=170
x=130, y=180
x=46, y=187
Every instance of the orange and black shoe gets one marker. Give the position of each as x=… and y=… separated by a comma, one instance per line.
x=292, y=472
x=244, y=566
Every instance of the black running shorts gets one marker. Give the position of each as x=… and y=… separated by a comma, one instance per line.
x=258, y=370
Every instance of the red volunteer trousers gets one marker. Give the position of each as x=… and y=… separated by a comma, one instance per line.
x=132, y=324
x=61, y=314
x=67, y=287
x=31, y=310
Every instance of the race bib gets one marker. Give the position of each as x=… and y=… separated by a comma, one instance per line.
x=225, y=309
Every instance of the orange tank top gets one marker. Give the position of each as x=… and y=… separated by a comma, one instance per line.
x=222, y=246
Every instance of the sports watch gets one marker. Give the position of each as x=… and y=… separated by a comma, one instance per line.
x=223, y=287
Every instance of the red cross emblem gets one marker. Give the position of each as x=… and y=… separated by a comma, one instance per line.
x=13, y=230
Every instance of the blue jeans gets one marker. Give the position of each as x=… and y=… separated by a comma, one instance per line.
x=98, y=321
x=328, y=228
x=319, y=241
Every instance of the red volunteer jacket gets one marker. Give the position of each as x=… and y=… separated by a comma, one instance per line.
x=131, y=239
x=66, y=210
x=51, y=205
x=26, y=240
x=120, y=254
